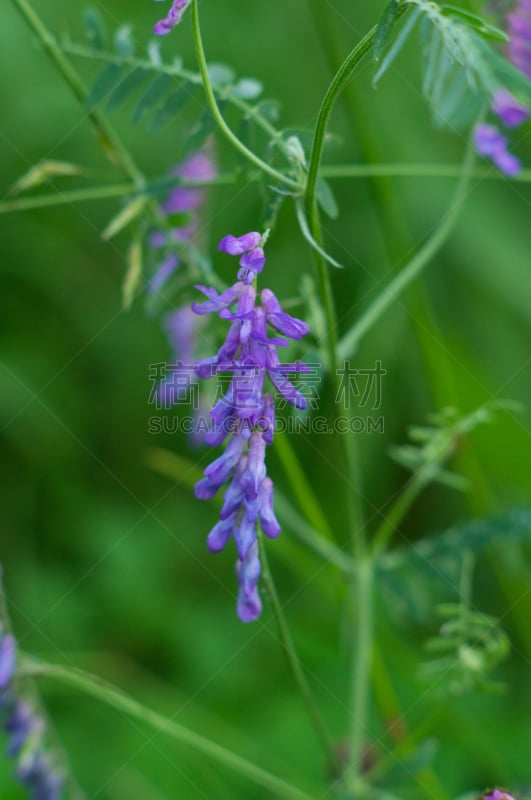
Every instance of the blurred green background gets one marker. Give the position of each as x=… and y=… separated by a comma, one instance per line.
x=104, y=560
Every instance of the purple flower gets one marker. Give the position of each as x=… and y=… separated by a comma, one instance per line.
x=511, y=113
x=496, y=794
x=519, y=30
x=25, y=730
x=508, y=109
x=246, y=412
x=200, y=166
x=492, y=144
x=249, y=248
x=7, y=660
x=172, y=18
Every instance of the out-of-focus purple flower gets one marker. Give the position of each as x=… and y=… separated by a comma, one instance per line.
x=492, y=144
x=180, y=384
x=25, y=730
x=189, y=200
x=519, y=30
x=496, y=794
x=246, y=412
x=507, y=108
x=172, y=18
x=7, y=660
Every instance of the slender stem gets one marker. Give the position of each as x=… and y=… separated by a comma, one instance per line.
x=106, y=693
x=294, y=663
x=301, y=486
x=361, y=668
x=412, y=270
x=124, y=189
x=216, y=113
x=61, y=198
x=362, y=587
x=334, y=172
x=397, y=512
x=337, y=85
x=109, y=140
x=416, y=171
x=311, y=538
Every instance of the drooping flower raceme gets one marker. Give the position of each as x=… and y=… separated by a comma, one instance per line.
x=489, y=141
x=25, y=729
x=172, y=18
x=245, y=414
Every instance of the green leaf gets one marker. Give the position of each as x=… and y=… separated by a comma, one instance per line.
x=397, y=45
x=128, y=213
x=479, y=24
x=171, y=106
x=295, y=151
x=474, y=536
x=220, y=75
x=127, y=87
x=325, y=198
x=247, y=89
x=153, y=51
x=153, y=95
x=95, y=28
x=204, y=128
x=305, y=230
x=269, y=110
x=383, y=32
x=43, y=172
x=123, y=41
x=133, y=275
x=105, y=84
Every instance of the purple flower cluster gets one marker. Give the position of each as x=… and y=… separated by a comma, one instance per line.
x=25, y=731
x=489, y=141
x=172, y=18
x=200, y=166
x=246, y=412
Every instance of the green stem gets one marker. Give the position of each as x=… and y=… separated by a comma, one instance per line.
x=362, y=588
x=311, y=538
x=361, y=669
x=340, y=80
x=397, y=512
x=416, y=171
x=335, y=172
x=111, y=143
x=124, y=189
x=216, y=113
x=106, y=693
x=412, y=270
x=301, y=486
x=294, y=663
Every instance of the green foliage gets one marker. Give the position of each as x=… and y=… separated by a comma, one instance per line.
x=460, y=70
x=469, y=645
x=162, y=90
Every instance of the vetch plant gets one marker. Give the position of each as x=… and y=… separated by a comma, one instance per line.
x=377, y=575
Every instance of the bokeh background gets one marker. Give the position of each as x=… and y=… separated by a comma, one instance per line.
x=104, y=559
